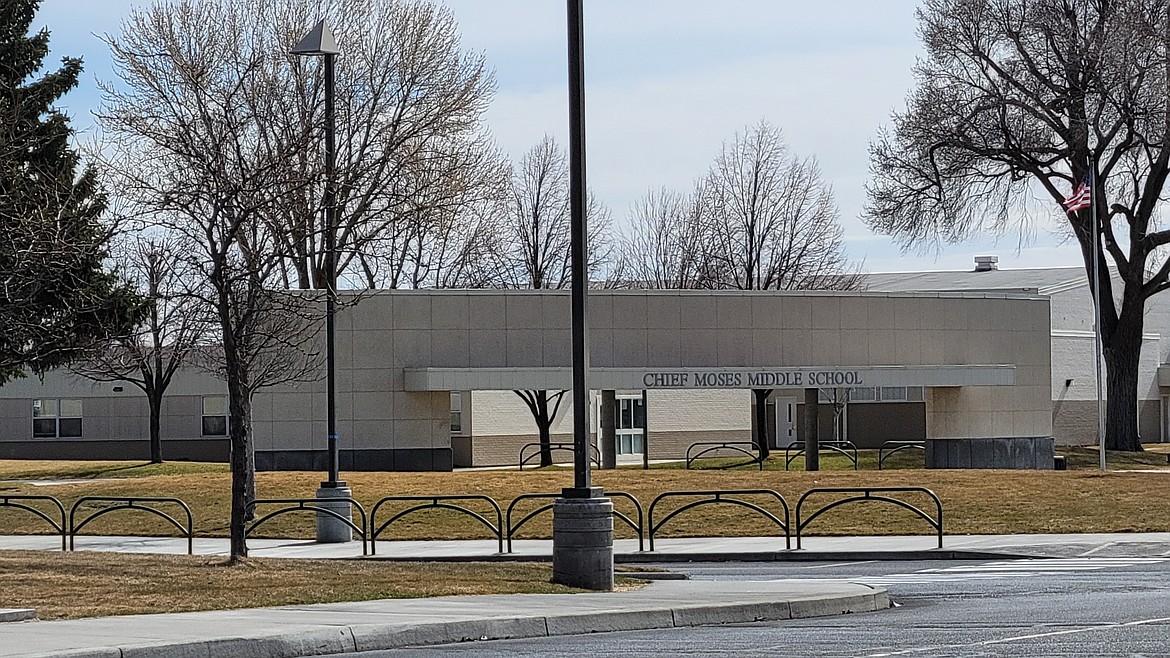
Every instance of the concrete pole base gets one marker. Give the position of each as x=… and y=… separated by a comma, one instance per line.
x=330, y=529
x=583, y=543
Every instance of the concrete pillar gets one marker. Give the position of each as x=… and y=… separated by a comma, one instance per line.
x=607, y=443
x=811, y=430
x=331, y=530
x=583, y=542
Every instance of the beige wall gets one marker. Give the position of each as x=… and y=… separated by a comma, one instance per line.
x=1023, y=338
x=388, y=332
x=109, y=415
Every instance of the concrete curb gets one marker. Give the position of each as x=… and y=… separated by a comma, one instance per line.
x=377, y=637
x=648, y=557
x=817, y=556
x=17, y=614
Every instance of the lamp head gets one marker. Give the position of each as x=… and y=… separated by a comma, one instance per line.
x=319, y=41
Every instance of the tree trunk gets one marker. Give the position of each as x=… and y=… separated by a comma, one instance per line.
x=154, y=400
x=1122, y=359
x=812, y=443
x=543, y=426
x=762, y=420
x=242, y=457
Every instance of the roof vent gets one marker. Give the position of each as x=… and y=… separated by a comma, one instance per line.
x=986, y=263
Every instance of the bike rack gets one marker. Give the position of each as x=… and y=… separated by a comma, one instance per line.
x=719, y=497
x=437, y=502
x=638, y=527
x=867, y=495
x=7, y=501
x=737, y=446
x=846, y=448
x=311, y=505
x=569, y=447
x=897, y=446
x=130, y=503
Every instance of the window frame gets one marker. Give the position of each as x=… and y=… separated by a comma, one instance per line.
x=204, y=416
x=39, y=413
x=455, y=422
x=629, y=440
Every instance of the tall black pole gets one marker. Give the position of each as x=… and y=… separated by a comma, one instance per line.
x=330, y=271
x=579, y=242
x=333, y=494
x=582, y=516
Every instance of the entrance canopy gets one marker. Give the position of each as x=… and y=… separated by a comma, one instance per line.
x=514, y=379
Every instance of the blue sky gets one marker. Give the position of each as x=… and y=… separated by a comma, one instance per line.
x=667, y=82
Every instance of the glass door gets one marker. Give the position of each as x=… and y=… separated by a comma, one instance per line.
x=631, y=419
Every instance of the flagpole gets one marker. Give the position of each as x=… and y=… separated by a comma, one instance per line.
x=1098, y=352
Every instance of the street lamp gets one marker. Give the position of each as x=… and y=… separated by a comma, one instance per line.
x=582, y=516
x=319, y=42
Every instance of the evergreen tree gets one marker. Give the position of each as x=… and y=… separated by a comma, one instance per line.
x=56, y=298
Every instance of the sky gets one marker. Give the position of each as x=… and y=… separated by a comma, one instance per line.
x=667, y=83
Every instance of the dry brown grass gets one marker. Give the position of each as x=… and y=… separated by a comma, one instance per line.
x=975, y=502
x=70, y=585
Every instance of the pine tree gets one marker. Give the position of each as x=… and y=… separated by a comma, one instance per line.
x=57, y=299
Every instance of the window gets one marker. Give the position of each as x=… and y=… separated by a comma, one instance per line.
x=56, y=418
x=863, y=394
x=631, y=418
x=215, y=422
x=893, y=393
x=875, y=394
x=456, y=412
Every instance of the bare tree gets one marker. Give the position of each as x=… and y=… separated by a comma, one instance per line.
x=771, y=219
x=186, y=120
x=441, y=234
x=761, y=219
x=412, y=150
x=664, y=246
x=149, y=357
x=532, y=250
x=1019, y=100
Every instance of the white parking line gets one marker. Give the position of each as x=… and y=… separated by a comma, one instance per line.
x=1018, y=638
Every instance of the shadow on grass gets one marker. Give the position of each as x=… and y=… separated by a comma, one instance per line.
x=80, y=470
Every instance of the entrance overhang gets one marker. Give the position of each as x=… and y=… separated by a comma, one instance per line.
x=515, y=379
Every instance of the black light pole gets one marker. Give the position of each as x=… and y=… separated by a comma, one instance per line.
x=582, y=516
x=320, y=43
x=578, y=244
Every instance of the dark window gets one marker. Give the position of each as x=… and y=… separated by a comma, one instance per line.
x=214, y=426
x=45, y=428
x=215, y=422
x=69, y=428
x=56, y=418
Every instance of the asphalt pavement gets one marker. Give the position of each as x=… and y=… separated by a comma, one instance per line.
x=388, y=624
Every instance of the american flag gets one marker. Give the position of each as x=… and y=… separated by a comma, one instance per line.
x=1080, y=197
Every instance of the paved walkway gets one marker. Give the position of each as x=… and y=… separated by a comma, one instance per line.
x=666, y=550
x=365, y=626
x=295, y=631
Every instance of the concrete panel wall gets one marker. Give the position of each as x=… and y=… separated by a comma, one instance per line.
x=1022, y=410
x=109, y=415
x=389, y=331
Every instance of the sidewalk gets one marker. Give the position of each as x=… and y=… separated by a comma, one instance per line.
x=362, y=626
x=293, y=631
x=917, y=547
